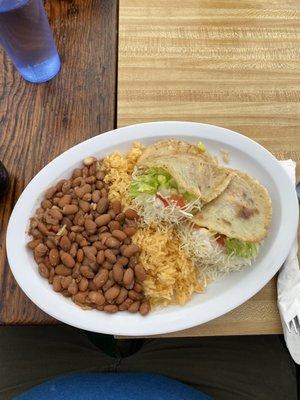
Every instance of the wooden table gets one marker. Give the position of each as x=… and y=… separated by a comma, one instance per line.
x=38, y=122
x=232, y=63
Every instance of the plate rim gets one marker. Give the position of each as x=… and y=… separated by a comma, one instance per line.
x=192, y=320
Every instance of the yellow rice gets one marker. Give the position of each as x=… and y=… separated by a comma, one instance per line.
x=118, y=168
x=171, y=275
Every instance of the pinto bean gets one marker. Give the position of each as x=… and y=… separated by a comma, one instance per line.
x=96, y=297
x=144, y=308
x=110, y=308
x=130, y=250
x=134, y=307
x=101, y=278
x=140, y=272
x=118, y=272
x=131, y=214
x=120, y=235
x=102, y=205
x=103, y=219
x=112, y=293
x=54, y=257
x=128, y=278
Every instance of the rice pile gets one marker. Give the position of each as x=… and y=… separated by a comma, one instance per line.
x=172, y=275
x=118, y=168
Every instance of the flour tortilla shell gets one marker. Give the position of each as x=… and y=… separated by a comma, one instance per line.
x=172, y=146
x=242, y=211
x=206, y=181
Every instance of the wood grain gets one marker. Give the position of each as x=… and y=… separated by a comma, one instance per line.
x=38, y=122
x=231, y=63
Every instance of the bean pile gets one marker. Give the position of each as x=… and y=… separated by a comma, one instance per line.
x=82, y=244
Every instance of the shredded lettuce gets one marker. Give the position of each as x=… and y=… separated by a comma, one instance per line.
x=150, y=181
x=241, y=249
x=189, y=197
x=201, y=146
x=153, y=180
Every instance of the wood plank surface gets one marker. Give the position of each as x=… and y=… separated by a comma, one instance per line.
x=231, y=63
x=38, y=122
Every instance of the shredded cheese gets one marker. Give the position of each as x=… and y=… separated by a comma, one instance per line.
x=211, y=259
x=153, y=211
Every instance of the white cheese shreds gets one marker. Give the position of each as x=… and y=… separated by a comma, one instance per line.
x=118, y=168
x=211, y=258
x=172, y=277
x=153, y=211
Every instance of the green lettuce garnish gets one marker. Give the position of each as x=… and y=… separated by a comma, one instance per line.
x=153, y=180
x=150, y=181
x=241, y=249
x=189, y=197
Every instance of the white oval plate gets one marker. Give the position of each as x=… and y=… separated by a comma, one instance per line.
x=221, y=296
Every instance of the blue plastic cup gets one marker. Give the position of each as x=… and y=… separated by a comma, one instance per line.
x=26, y=36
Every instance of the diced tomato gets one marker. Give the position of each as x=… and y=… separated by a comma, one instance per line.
x=163, y=200
x=174, y=198
x=220, y=239
x=178, y=200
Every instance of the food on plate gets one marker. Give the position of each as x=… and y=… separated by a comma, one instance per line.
x=220, y=231
x=186, y=173
x=242, y=211
x=82, y=243
x=227, y=232
x=148, y=228
x=171, y=147
x=119, y=168
x=214, y=254
x=171, y=277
